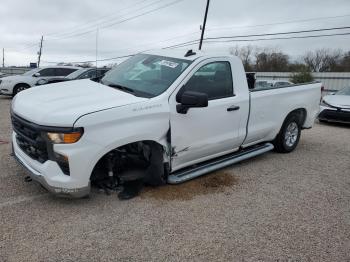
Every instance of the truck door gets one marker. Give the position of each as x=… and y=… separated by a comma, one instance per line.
x=208, y=132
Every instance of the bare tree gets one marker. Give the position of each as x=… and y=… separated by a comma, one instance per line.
x=322, y=60
x=245, y=53
x=343, y=65
x=270, y=60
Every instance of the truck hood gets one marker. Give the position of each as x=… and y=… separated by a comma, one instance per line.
x=340, y=101
x=61, y=104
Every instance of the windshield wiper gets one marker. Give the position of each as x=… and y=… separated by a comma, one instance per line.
x=123, y=88
x=129, y=90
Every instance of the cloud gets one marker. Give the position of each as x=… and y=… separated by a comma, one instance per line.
x=23, y=23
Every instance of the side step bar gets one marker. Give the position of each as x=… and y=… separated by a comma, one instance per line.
x=199, y=170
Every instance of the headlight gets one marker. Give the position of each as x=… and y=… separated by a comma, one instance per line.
x=42, y=82
x=65, y=138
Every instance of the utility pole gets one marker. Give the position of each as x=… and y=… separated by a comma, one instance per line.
x=3, y=57
x=40, y=50
x=204, y=23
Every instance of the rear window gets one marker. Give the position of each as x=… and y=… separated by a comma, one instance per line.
x=47, y=72
x=64, y=71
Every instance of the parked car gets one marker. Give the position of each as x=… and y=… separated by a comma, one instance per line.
x=3, y=75
x=268, y=84
x=83, y=73
x=164, y=117
x=336, y=107
x=12, y=85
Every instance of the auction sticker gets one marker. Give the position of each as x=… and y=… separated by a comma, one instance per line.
x=168, y=63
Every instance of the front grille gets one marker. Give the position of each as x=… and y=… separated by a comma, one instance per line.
x=332, y=115
x=29, y=139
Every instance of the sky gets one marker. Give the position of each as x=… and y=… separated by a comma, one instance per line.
x=124, y=27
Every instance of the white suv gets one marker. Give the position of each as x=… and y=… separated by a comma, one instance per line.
x=12, y=85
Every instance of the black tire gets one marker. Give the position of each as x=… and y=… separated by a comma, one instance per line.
x=19, y=88
x=289, y=135
x=156, y=173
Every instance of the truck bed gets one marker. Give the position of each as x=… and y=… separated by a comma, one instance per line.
x=269, y=107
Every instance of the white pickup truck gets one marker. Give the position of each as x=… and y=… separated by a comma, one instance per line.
x=164, y=116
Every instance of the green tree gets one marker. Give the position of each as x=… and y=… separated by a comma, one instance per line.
x=304, y=76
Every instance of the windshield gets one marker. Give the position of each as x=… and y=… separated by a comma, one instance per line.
x=345, y=91
x=146, y=75
x=31, y=72
x=77, y=73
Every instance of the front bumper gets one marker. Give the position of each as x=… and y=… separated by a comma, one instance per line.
x=5, y=92
x=335, y=115
x=49, y=175
x=6, y=88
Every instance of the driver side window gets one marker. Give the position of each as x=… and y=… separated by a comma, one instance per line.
x=214, y=79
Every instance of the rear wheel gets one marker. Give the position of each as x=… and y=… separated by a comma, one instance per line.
x=19, y=88
x=289, y=135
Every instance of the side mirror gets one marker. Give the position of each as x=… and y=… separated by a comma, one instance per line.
x=36, y=75
x=189, y=99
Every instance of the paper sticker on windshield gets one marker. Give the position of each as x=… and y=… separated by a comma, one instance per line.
x=168, y=63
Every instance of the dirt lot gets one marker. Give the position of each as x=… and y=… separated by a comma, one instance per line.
x=275, y=207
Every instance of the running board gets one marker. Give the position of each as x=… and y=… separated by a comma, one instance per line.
x=199, y=170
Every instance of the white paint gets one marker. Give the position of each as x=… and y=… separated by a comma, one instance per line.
x=112, y=118
x=9, y=82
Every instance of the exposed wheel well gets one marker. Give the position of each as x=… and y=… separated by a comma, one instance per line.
x=141, y=155
x=301, y=113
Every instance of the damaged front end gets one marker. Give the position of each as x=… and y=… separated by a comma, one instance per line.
x=130, y=167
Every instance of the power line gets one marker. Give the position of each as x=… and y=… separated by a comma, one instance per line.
x=211, y=29
x=259, y=39
x=217, y=41
x=74, y=28
x=281, y=33
x=119, y=22
x=92, y=61
x=279, y=23
x=282, y=38
x=261, y=25
x=267, y=34
x=123, y=20
x=195, y=32
x=29, y=45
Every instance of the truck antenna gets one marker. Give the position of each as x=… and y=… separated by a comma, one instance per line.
x=204, y=23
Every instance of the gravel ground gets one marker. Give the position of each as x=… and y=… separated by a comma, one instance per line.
x=276, y=207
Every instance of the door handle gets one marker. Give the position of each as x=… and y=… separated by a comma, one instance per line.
x=232, y=108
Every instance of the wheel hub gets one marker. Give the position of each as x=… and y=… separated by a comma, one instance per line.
x=291, y=134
